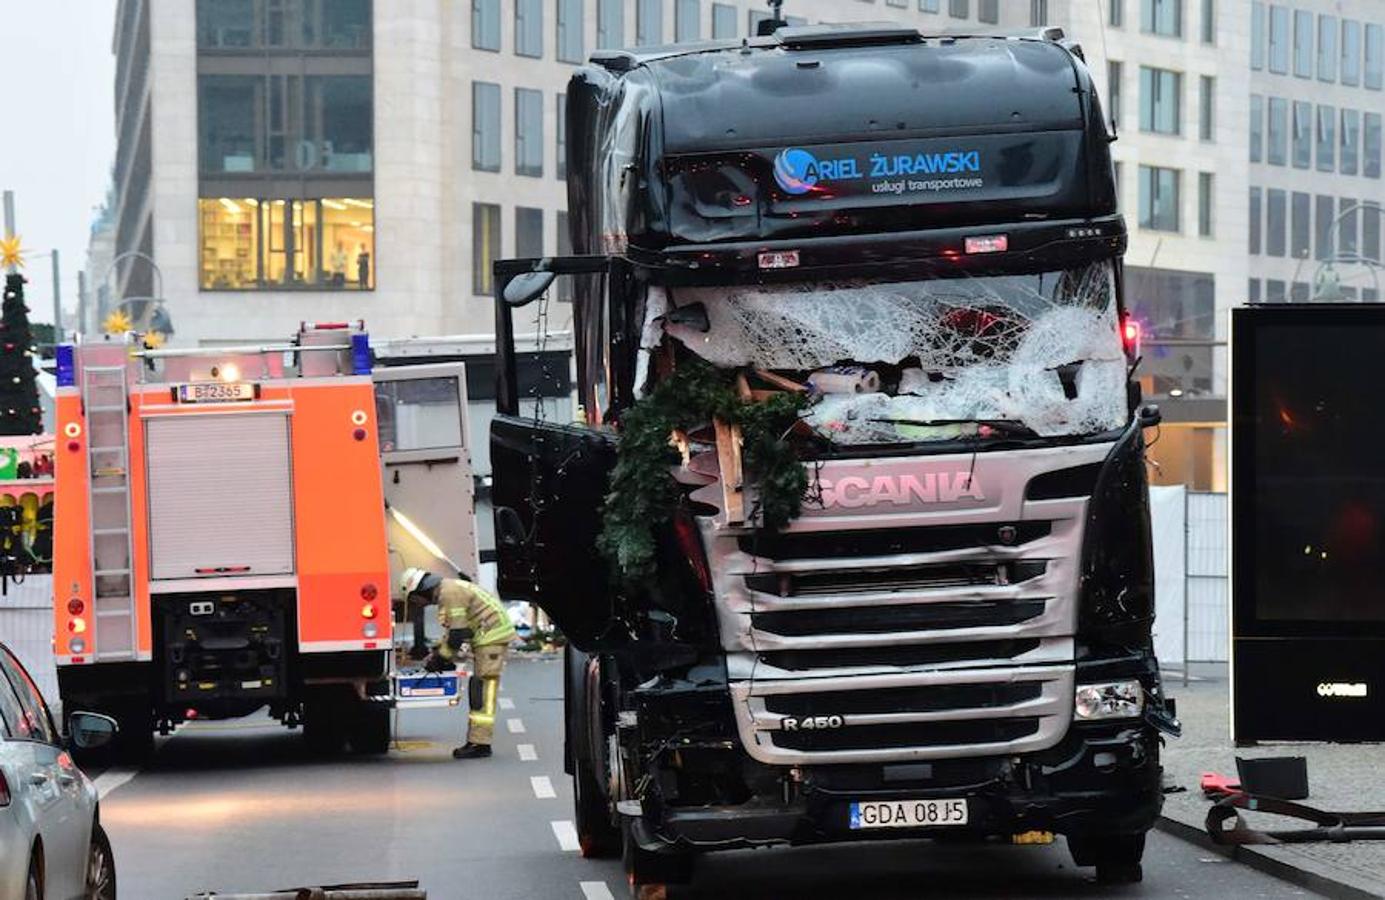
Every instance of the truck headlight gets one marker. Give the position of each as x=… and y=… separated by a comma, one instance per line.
x=1111, y=700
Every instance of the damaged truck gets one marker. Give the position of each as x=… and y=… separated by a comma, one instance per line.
x=852, y=539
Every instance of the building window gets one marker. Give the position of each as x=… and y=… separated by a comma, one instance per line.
x=529, y=28
x=285, y=123
x=1120, y=185
x=610, y=24
x=1114, y=73
x=528, y=132
x=1116, y=19
x=528, y=232
x=1349, y=162
x=1278, y=132
x=485, y=24
x=649, y=22
x=1253, y=290
x=485, y=246
x=988, y=11
x=1276, y=222
x=310, y=244
x=1256, y=220
x=1373, y=60
x=930, y=6
x=485, y=126
x=1370, y=231
x=1257, y=127
x=687, y=20
x=1327, y=48
x=1351, y=52
x=958, y=9
x=284, y=25
x=1299, y=292
x=1323, y=213
x=570, y=23
x=1162, y=17
x=1371, y=145
x=1302, y=137
x=1205, y=198
x=560, y=128
x=1257, y=35
x=1207, y=108
x=1327, y=138
x=564, y=249
x=1303, y=43
x=1279, y=40
x=1158, y=198
x=1160, y=92
x=1209, y=21
x=1038, y=13
x=724, y=21
x=1346, y=228
x=1274, y=290
x=1301, y=225
x=1303, y=134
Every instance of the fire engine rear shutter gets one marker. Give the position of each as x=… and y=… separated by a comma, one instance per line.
x=220, y=495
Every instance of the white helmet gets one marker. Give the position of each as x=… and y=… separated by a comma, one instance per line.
x=411, y=580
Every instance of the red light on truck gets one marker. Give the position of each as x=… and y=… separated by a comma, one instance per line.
x=1130, y=336
x=359, y=434
x=77, y=626
x=369, y=592
x=74, y=446
x=75, y=606
x=368, y=611
x=987, y=243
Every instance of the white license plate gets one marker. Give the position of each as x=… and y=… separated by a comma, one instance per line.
x=908, y=813
x=216, y=392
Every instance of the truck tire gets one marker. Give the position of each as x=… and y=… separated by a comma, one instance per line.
x=597, y=835
x=324, y=728
x=1116, y=856
x=649, y=872
x=369, y=731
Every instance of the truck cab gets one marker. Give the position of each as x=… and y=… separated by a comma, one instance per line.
x=916, y=239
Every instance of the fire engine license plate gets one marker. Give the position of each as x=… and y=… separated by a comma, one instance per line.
x=215, y=392
x=908, y=813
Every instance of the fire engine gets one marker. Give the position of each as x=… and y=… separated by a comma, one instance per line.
x=220, y=539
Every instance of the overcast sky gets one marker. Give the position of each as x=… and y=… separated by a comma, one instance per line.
x=57, y=132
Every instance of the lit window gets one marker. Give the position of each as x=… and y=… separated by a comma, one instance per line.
x=485, y=246
x=310, y=244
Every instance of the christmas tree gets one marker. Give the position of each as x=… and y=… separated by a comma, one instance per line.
x=19, y=409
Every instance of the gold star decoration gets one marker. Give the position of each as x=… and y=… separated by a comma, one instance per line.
x=117, y=322
x=11, y=254
x=154, y=340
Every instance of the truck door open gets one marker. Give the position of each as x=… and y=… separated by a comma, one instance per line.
x=550, y=481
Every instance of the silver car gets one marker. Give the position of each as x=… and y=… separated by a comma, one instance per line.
x=52, y=846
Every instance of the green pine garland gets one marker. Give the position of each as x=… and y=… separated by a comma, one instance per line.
x=643, y=492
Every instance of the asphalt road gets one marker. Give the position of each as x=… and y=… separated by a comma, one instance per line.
x=239, y=807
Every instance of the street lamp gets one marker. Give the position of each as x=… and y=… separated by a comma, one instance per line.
x=153, y=315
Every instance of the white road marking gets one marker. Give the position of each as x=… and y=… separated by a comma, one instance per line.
x=596, y=890
x=527, y=753
x=506, y=703
x=516, y=726
x=111, y=779
x=566, y=833
x=543, y=788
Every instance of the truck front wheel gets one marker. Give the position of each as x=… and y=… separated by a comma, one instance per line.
x=1116, y=856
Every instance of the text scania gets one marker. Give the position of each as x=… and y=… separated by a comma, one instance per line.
x=953, y=163
x=854, y=492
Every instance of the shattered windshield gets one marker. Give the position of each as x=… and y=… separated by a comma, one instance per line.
x=920, y=360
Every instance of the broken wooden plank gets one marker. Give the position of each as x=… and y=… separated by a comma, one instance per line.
x=729, y=443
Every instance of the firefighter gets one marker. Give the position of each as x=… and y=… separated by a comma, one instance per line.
x=467, y=613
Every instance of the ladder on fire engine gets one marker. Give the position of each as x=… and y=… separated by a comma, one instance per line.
x=105, y=399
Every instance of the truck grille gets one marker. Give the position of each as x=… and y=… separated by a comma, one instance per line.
x=913, y=629
x=907, y=656
x=908, y=734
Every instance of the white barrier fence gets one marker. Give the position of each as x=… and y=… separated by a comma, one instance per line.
x=1190, y=575
x=26, y=627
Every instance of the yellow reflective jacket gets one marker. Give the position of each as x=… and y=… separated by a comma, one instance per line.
x=462, y=604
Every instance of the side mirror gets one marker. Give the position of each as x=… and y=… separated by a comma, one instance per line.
x=693, y=317
x=509, y=528
x=1150, y=416
x=526, y=288
x=88, y=730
